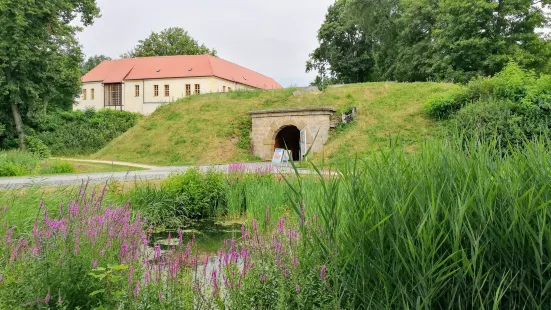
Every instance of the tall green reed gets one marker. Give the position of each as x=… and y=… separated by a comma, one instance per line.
x=455, y=225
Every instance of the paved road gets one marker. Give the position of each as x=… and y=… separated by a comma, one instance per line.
x=155, y=173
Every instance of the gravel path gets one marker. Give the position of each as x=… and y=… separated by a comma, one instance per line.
x=152, y=174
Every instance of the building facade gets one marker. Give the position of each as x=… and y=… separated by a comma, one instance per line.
x=143, y=84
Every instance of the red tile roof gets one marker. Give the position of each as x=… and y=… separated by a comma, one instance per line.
x=162, y=67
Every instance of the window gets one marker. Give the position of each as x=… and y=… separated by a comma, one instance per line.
x=167, y=90
x=156, y=90
x=113, y=95
x=136, y=90
x=188, y=89
x=197, y=89
x=92, y=94
x=229, y=89
x=84, y=94
x=223, y=89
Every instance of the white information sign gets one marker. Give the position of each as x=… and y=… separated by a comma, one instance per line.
x=303, y=148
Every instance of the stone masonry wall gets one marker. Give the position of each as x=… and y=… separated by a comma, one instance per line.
x=267, y=124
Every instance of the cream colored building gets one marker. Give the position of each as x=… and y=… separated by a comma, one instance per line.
x=143, y=84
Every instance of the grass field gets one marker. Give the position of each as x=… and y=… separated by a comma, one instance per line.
x=208, y=128
x=83, y=167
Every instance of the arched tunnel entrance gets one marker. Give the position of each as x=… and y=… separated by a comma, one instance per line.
x=289, y=138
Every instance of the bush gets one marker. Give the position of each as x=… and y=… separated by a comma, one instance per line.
x=83, y=132
x=36, y=147
x=181, y=197
x=444, y=106
x=198, y=195
x=501, y=121
x=57, y=167
x=17, y=163
x=509, y=107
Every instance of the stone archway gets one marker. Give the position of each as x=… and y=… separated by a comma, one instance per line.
x=268, y=124
x=288, y=137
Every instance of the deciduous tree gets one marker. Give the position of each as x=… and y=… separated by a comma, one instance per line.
x=344, y=54
x=169, y=42
x=39, y=55
x=92, y=62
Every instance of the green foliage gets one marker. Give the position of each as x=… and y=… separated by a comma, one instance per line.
x=57, y=167
x=36, y=147
x=83, y=132
x=169, y=42
x=443, y=106
x=22, y=163
x=509, y=107
x=40, y=56
x=420, y=40
x=198, y=194
x=17, y=163
x=457, y=224
x=181, y=197
x=91, y=63
x=344, y=51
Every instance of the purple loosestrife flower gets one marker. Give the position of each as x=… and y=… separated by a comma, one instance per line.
x=322, y=272
x=47, y=298
x=297, y=288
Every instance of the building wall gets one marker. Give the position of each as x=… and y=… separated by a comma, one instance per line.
x=146, y=103
x=96, y=103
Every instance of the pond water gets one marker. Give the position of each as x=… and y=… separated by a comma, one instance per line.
x=209, y=234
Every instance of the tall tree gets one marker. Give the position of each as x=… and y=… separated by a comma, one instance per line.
x=419, y=40
x=169, y=42
x=92, y=61
x=344, y=52
x=39, y=54
x=481, y=37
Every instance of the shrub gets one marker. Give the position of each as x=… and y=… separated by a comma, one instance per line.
x=36, y=147
x=83, y=132
x=17, y=163
x=512, y=82
x=444, y=106
x=57, y=167
x=197, y=194
x=501, y=121
x=181, y=197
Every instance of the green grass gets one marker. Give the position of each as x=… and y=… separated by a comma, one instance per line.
x=84, y=167
x=209, y=128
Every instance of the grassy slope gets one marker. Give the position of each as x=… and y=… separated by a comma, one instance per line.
x=205, y=129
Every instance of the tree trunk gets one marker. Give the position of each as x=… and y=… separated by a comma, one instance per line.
x=18, y=125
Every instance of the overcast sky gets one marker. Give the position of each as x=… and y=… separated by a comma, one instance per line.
x=271, y=37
